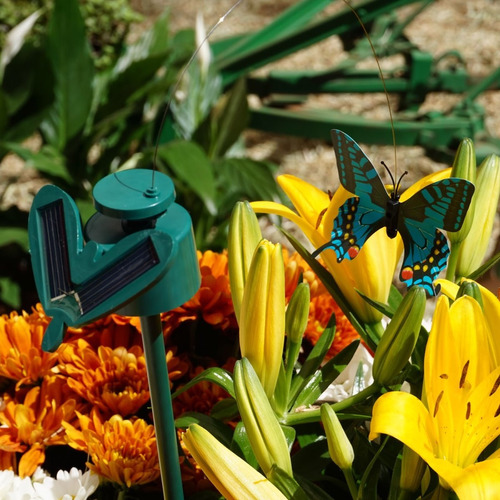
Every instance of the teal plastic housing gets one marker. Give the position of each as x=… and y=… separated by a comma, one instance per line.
x=137, y=220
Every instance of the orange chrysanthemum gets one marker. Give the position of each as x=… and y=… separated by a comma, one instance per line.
x=113, y=380
x=36, y=422
x=295, y=267
x=21, y=355
x=212, y=301
x=123, y=451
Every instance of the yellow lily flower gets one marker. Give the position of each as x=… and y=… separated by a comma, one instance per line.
x=491, y=310
x=231, y=475
x=458, y=415
x=480, y=481
x=372, y=270
x=262, y=314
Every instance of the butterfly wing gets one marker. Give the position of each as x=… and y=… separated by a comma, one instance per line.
x=442, y=204
x=359, y=217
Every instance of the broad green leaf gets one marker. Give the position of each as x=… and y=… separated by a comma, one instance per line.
x=245, y=178
x=17, y=235
x=28, y=87
x=69, y=53
x=231, y=118
x=191, y=165
x=216, y=375
x=314, y=359
x=287, y=484
x=133, y=72
x=242, y=447
x=221, y=431
x=48, y=160
x=10, y=293
x=323, y=377
x=225, y=409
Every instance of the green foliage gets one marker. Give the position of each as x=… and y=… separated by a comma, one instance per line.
x=107, y=23
x=94, y=121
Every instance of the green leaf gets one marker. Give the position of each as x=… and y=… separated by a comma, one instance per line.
x=287, y=484
x=73, y=68
x=314, y=360
x=216, y=375
x=133, y=72
x=10, y=293
x=231, y=117
x=221, y=431
x=14, y=235
x=379, y=306
x=192, y=166
x=242, y=447
x=485, y=267
x=224, y=410
x=322, y=378
x=28, y=87
x=48, y=160
x=245, y=178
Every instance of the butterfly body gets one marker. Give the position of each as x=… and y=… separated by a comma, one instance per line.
x=441, y=205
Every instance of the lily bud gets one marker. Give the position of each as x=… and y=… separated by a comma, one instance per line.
x=474, y=247
x=297, y=313
x=263, y=429
x=262, y=315
x=339, y=446
x=231, y=475
x=244, y=236
x=400, y=337
x=464, y=167
x=470, y=288
x=412, y=470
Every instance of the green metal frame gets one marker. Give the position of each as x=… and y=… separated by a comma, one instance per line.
x=297, y=28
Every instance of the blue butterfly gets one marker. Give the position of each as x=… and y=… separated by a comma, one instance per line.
x=442, y=204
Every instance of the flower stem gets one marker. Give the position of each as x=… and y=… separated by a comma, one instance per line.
x=452, y=261
x=351, y=483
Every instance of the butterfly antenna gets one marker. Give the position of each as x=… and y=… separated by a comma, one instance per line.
x=179, y=80
x=390, y=174
x=383, y=84
x=400, y=179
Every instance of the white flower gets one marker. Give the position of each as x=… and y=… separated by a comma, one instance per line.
x=72, y=485
x=355, y=377
x=12, y=487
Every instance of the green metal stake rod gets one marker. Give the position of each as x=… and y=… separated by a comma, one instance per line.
x=161, y=403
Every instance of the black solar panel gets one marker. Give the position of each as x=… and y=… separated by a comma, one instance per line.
x=116, y=277
x=56, y=249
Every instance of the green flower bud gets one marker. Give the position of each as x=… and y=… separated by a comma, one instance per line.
x=412, y=470
x=464, y=167
x=263, y=429
x=400, y=337
x=475, y=245
x=470, y=288
x=339, y=446
x=297, y=313
x=244, y=236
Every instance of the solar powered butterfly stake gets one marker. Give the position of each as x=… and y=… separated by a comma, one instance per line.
x=136, y=256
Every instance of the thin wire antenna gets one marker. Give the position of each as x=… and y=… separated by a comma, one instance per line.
x=179, y=80
x=383, y=84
